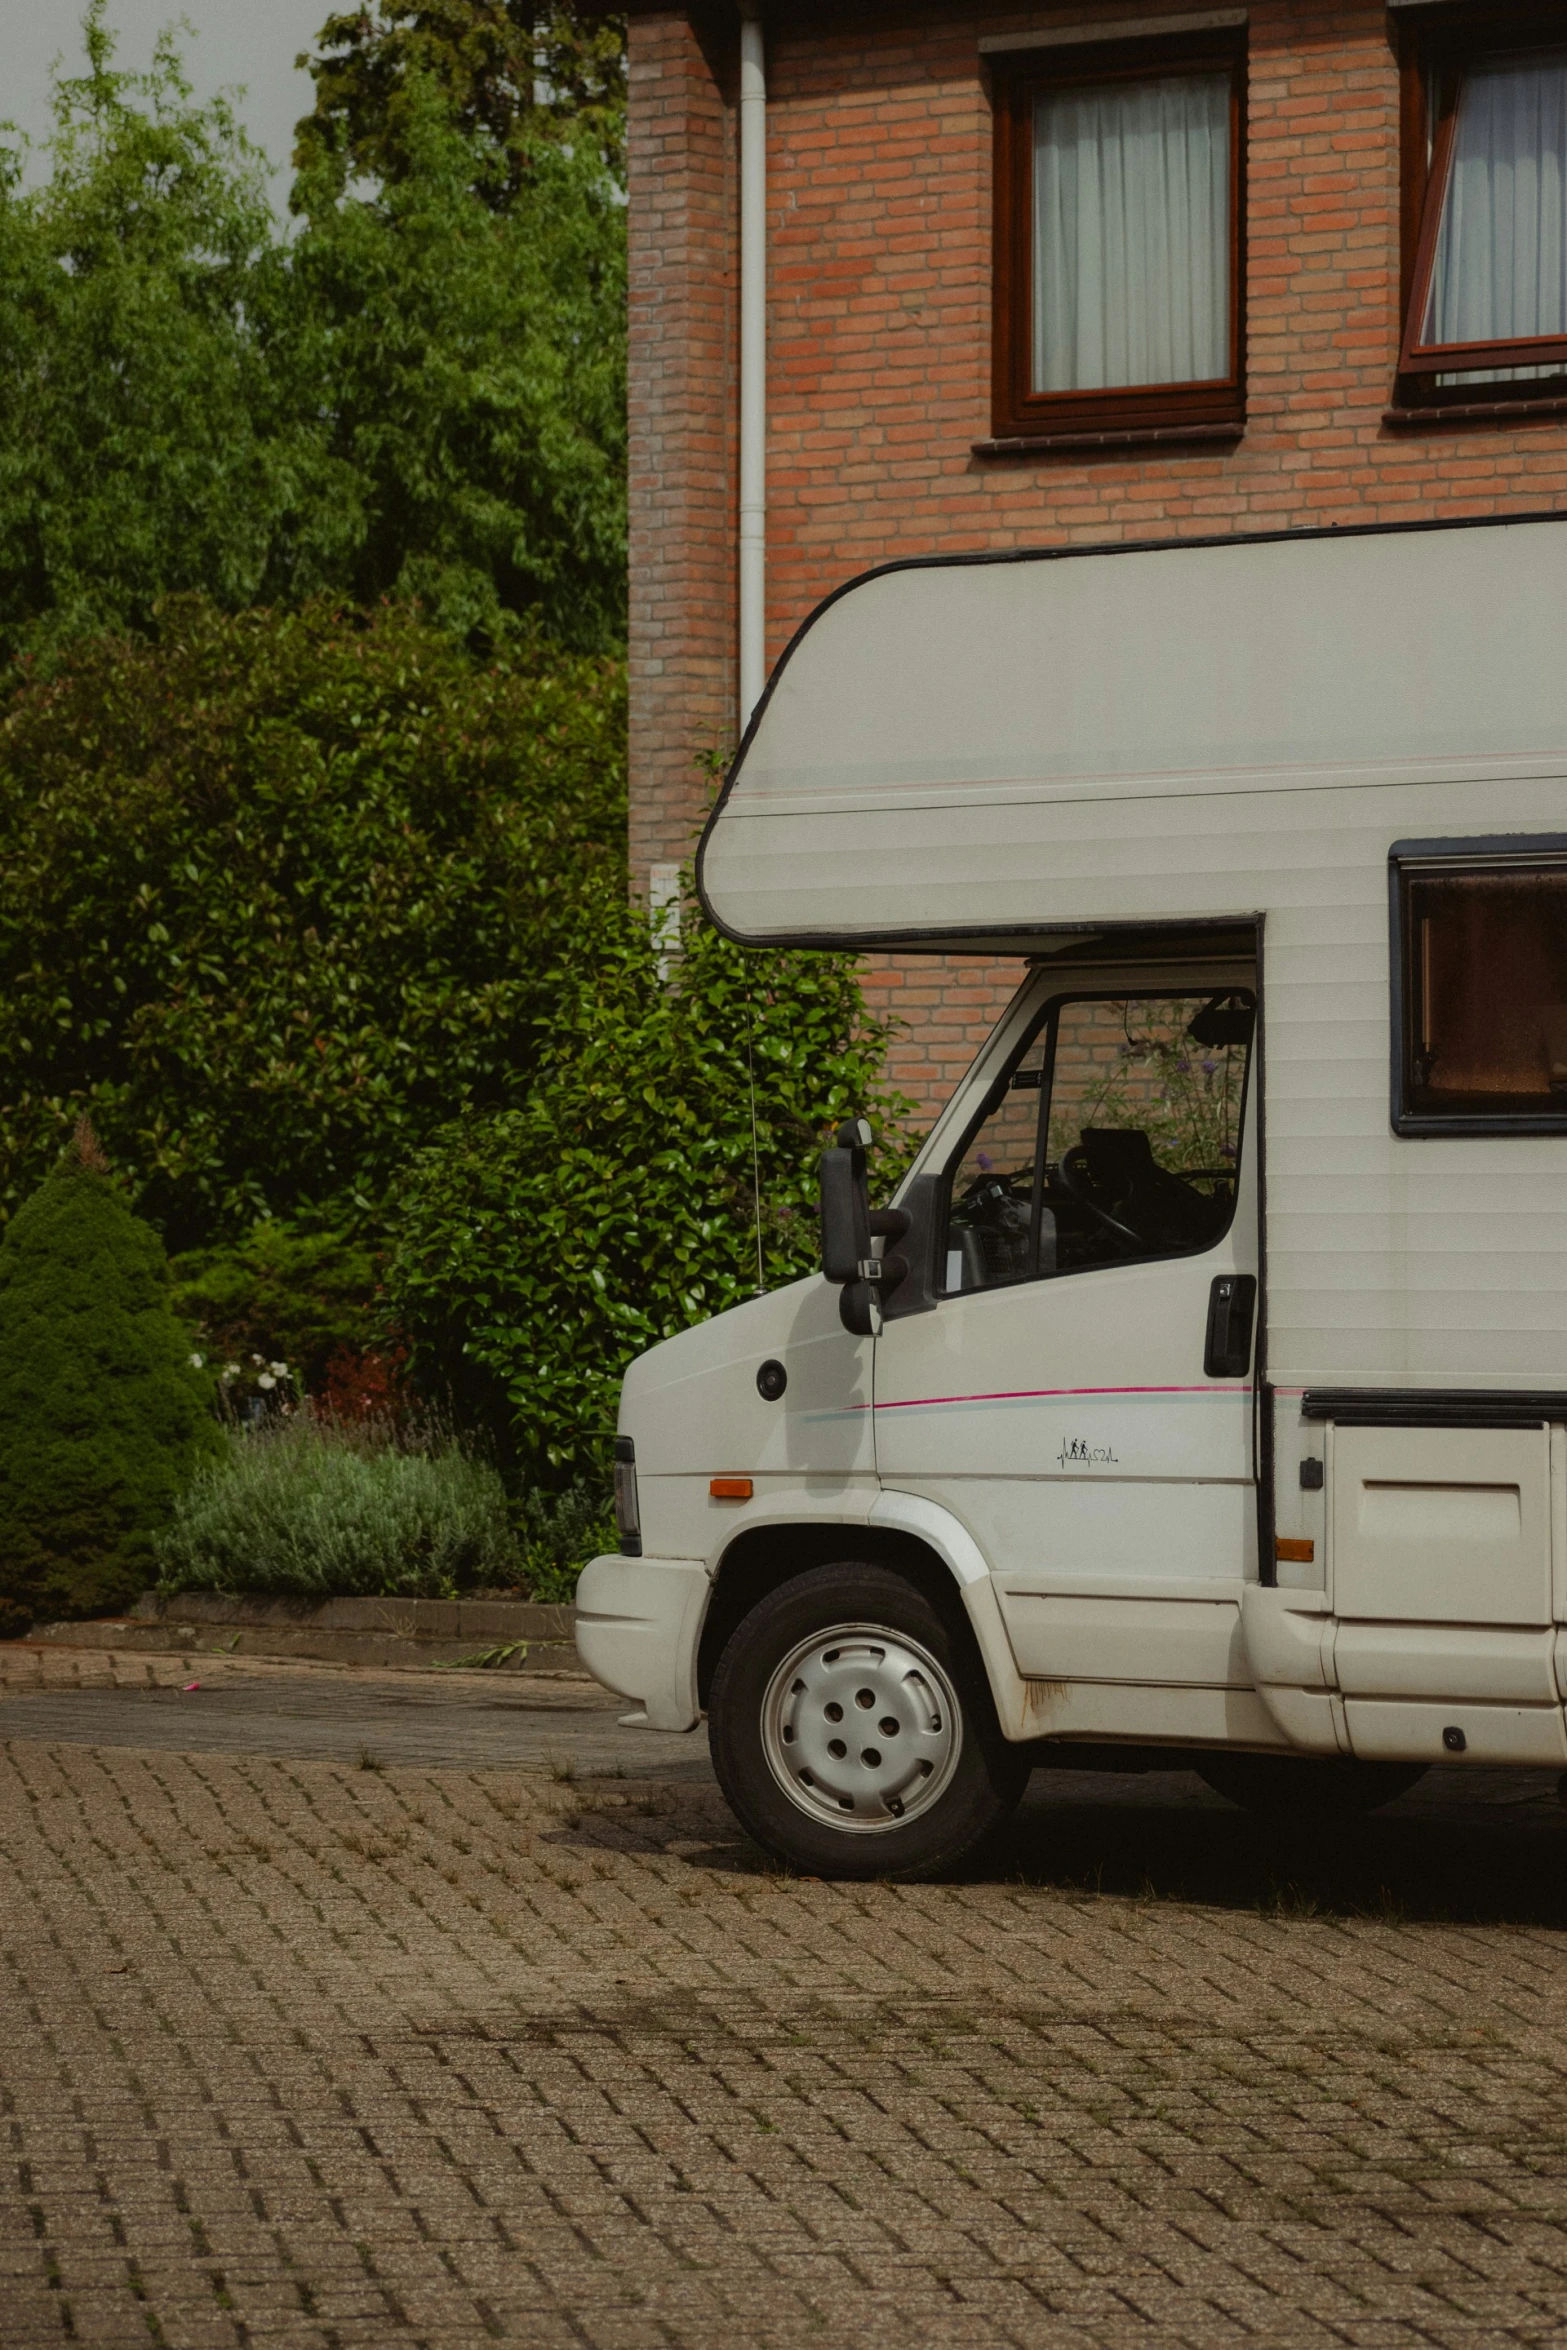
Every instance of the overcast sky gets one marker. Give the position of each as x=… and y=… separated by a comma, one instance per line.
x=250, y=42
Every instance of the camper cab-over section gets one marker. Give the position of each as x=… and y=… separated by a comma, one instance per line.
x=1204, y=1389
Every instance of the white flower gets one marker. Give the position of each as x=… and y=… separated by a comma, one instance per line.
x=258, y=1358
x=278, y=1370
x=231, y=1370
x=266, y=1380
x=198, y=1362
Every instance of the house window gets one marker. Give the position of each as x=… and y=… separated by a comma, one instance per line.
x=1118, y=247
x=1485, y=132
x=1480, y=969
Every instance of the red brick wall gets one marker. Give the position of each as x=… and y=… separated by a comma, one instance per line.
x=879, y=373
x=943, y=1009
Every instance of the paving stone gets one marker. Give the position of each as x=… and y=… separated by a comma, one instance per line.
x=463, y=2049
x=558, y=1722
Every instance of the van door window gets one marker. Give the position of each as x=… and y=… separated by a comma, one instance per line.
x=1112, y=1136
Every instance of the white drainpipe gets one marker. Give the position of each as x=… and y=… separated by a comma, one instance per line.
x=753, y=359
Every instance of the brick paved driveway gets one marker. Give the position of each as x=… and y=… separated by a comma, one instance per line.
x=303, y=2052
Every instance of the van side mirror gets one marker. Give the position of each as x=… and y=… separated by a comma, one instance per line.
x=1223, y=1020
x=849, y=1226
x=846, y=1207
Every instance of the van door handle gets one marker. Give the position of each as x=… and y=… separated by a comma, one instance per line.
x=1232, y=1309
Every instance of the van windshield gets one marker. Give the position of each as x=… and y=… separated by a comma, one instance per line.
x=1113, y=1135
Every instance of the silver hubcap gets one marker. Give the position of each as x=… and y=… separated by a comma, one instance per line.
x=860, y=1727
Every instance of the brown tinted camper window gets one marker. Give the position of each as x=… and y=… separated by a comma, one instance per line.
x=1484, y=987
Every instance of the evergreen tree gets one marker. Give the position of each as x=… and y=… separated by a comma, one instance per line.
x=467, y=348
x=104, y=1416
x=509, y=69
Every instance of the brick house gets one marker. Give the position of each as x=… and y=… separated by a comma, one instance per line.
x=1118, y=270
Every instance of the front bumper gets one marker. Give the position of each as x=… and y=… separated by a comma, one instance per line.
x=639, y=1625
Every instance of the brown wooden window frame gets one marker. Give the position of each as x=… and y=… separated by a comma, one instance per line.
x=1156, y=408
x=1436, y=54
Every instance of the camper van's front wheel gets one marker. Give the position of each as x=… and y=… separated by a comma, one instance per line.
x=853, y=1733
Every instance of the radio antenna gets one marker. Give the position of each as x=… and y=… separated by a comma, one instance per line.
x=756, y=1154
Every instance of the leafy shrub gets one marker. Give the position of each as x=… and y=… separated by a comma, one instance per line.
x=281, y=895
x=560, y=1532
x=284, y=1314
x=304, y=1505
x=367, y=1385
x=535, y=1251
x=306, y=1298
x=103, y=1418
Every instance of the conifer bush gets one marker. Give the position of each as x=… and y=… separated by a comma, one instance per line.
x=104, y=1414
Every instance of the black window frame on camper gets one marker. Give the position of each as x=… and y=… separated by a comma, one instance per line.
x=1454, y=914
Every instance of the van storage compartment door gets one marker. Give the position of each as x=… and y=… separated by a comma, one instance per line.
x=1441, y=1525
x=1440, y=1571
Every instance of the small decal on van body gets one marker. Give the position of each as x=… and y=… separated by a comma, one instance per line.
x=1078, y=1453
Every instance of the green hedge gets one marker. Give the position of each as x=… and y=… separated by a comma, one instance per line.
x=327, y=925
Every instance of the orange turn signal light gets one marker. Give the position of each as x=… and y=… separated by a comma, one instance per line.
x=1299, y=1554
x=730, y=1488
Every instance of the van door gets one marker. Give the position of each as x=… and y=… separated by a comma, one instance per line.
x=1440, y=1557
x=1080, y=1395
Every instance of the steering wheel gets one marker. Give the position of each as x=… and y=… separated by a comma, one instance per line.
x=1077, y=1180
x=991, y=1204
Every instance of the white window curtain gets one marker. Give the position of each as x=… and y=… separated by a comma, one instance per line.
x=1500, y=272
x=1132, y=234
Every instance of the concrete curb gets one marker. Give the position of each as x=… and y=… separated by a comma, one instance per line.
x=502, y=1635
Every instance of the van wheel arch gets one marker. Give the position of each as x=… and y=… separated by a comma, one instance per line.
x=759, y=1561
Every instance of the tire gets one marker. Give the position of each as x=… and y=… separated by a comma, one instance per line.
x=1304, y=1787
x=920, y=1774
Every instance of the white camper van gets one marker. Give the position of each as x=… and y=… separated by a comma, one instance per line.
x=1204, y=1394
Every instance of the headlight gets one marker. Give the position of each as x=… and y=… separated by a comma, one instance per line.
x=627, y=1516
